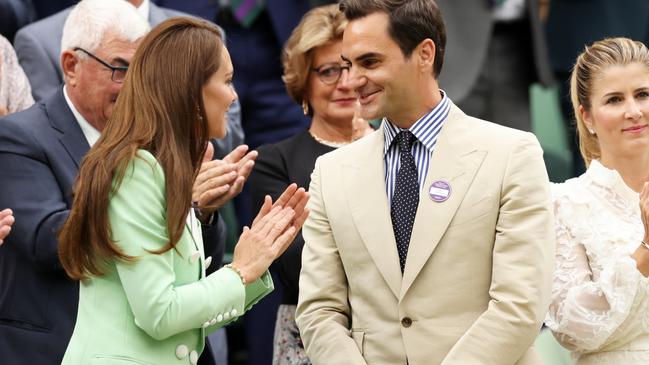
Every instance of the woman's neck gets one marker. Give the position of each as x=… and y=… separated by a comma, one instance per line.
x=633, y=169
x=333, y=131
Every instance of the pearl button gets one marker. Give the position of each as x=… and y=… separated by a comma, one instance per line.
x=208, y=262
x=181, y=351
x=233, y=313
x=193, y=357
x=206, y=324
x=219, y=318
x=226, y=316
x=213, y=322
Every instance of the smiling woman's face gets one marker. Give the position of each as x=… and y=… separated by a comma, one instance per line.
x=335, y=102
x=619, y=111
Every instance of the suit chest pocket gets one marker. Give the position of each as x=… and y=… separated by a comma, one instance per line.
x=476, y=211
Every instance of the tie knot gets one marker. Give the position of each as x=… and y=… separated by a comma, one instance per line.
x=405, y=139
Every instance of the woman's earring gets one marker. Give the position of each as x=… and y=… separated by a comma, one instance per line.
x=591, y=131
x=198, y=113
x=305, y=107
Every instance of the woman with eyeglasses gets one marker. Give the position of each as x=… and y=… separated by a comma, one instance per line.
x=314, y=75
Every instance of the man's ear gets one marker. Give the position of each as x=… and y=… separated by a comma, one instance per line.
x=69, y=62
x=426, y=54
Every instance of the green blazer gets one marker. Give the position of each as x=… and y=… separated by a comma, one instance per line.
x=158, y=309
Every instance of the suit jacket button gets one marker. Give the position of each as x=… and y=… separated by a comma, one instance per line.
x=406, y=322
x=182, y=351
x=193, y=357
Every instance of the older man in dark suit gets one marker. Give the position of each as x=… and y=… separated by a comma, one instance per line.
x=38, y=47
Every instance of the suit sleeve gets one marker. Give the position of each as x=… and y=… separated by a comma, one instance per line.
x=323, y=312
x=523, y=261
x=31, y=190
x=160, y=307
x=43, y=75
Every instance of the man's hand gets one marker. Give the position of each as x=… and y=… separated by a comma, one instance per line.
x=221, y=180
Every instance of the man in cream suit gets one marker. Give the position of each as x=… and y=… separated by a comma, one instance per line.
x=441, y=254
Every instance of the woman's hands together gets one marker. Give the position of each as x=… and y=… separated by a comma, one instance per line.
x=272, y=231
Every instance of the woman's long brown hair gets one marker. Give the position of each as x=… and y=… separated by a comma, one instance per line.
x=159, y=109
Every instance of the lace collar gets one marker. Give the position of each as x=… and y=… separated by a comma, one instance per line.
x=611, y=179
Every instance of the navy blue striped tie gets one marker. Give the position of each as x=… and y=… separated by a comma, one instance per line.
x=406, y=196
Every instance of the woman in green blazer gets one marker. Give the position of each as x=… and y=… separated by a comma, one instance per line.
x=133, y=239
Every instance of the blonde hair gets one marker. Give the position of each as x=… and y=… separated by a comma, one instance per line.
x=589, y=66
x=318, y=27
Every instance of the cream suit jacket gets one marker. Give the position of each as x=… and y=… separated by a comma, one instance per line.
x=476, y=284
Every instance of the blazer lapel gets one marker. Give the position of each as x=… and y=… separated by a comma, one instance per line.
x=193, y=227
x=456, y=162
x=62, y=119
x=364, y=180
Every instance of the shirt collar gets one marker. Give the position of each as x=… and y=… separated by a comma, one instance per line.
x=426, y=129
x=143, y=10
x=91, y=133
x=612, y=179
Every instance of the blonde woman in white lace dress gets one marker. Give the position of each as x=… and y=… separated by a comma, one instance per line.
x=600, y=295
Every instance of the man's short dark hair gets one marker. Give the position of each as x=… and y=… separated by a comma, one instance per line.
x=411, y=22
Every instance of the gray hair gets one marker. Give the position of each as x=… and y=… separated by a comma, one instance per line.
x=91, y=20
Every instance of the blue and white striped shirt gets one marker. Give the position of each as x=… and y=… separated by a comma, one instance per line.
x=426, y=129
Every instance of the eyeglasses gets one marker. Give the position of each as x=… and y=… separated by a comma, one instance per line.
x=329, y=73
x=119, y=72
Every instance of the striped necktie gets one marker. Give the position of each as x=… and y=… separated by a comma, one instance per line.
x=246, y=11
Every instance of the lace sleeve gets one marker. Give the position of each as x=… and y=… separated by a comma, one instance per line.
x=584, y=311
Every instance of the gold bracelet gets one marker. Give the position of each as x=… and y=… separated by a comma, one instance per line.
x=236, y=269
x=644, y=244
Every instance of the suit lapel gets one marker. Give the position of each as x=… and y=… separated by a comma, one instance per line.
x=456, y=162
x=193, y=227
x=62, y=119
x=364, y=180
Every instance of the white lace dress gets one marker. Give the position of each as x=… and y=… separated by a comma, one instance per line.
x=600, y=306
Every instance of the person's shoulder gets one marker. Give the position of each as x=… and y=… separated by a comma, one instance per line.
x=286, y=144
x=496, y=133
x=145, y=160
x=33, y=118
x=570, y=191
x=49, y=25
x=143, y=168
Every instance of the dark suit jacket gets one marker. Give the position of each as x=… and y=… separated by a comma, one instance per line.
x=40, y=152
